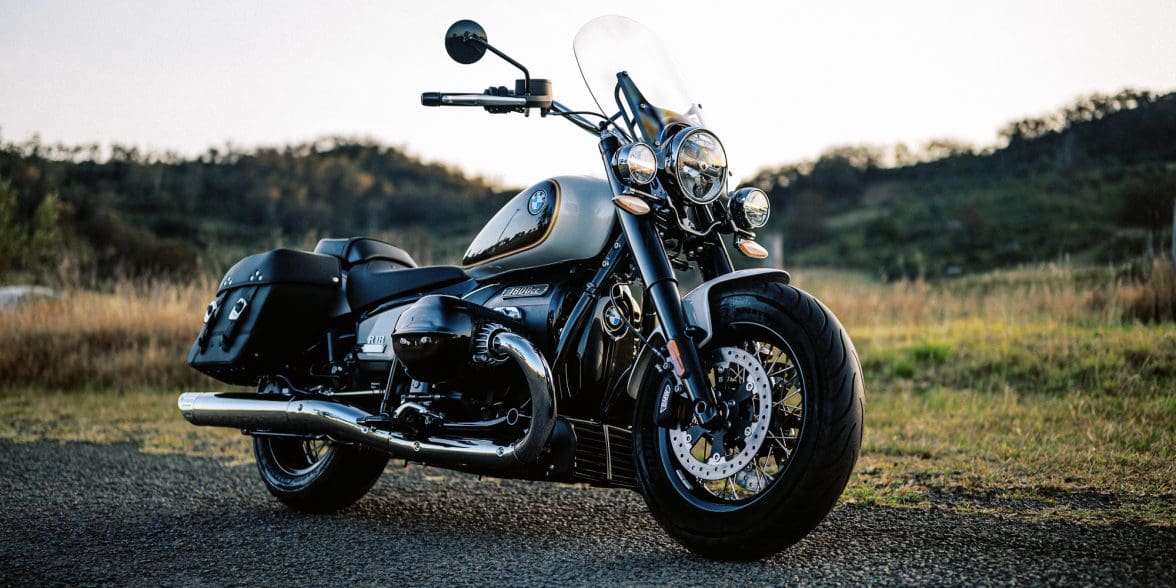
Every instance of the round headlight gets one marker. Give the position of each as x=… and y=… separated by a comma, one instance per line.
x=698, y=164
x=750, y=208
x=635, y=163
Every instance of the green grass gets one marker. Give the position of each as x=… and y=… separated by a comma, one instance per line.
x=1032, y=357
x=1096, y=459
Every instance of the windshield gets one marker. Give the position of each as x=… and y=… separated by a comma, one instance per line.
x=612, y=44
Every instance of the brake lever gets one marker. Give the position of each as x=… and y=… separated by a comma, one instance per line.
x=501, y=91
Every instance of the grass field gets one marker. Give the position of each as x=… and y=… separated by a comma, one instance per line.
x=1046, y=392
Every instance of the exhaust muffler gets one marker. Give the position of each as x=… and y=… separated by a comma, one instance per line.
x=257, y=412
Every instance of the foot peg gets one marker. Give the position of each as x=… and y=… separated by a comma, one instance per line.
x=410, y=419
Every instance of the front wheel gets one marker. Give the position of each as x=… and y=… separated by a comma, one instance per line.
x=317, y=476
x=762, y=480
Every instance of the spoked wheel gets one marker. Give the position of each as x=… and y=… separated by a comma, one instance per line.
x=731, y=465
x=791, y=385
x=316, y=475
x=298, y=457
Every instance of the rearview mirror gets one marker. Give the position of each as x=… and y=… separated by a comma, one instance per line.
x=465, y=41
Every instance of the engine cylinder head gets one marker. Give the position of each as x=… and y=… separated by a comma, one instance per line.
x=433, y=336
x=439, y=335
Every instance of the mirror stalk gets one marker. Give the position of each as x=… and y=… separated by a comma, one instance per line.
x=472, y=40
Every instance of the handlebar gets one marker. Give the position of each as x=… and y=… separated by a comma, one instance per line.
x=540, y=98
x=447, y=99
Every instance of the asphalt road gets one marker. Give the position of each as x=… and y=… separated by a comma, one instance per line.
x=87, y=514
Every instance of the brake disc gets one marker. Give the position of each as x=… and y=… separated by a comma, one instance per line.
x=750, y=381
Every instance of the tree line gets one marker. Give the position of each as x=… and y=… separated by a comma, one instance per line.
x=132, y=212
x=1095, y=179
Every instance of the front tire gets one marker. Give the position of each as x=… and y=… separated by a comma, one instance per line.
x=798, y=469
x=316, y=476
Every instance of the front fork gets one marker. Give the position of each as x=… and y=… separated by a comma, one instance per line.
x=661, y=286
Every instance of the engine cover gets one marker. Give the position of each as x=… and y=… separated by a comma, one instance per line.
x=433, y=336
x=438, y=336
x=534, y=305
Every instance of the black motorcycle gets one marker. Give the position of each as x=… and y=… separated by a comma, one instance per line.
x=561, y=349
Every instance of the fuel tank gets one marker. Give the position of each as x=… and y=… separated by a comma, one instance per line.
x=565, y=218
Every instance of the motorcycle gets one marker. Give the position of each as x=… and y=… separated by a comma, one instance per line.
x=561, y=350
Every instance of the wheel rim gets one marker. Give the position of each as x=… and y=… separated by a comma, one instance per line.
x=298, y=457
x=740, y=379
x=783, y=430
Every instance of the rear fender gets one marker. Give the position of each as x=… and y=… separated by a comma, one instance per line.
x=698, y=306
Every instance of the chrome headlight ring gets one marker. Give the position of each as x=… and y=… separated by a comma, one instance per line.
x=635, y=164
x=750, y=208
x=697, y=164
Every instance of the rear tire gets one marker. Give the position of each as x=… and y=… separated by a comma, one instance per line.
x=316, y=477
x=778, y=497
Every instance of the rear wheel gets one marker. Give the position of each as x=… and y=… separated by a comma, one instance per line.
x=312, y=475
x=767, y=476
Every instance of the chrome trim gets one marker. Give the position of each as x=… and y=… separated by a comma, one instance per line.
x=212, y=311
x=684, y=223
x=357, y=393
x=542, y=389
x=413, y=406
x=737, y=207
x=481, y=100
x=672, y=163
x=342, y=422
x=607, y=454
x=622, y=163
x=238, y=309
x=511, y=312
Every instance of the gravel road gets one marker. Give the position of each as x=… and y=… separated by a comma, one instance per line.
x=89, y=514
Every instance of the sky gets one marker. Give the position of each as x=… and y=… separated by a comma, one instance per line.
x=779, y=81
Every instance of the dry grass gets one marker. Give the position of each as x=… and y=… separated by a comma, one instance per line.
x=1051, y=329
x=1045, y=392
x=1002, y=324
x=1052, y=293
x=1099, y=459
x=1154, y=298
x=149, y=419
x=131, y=337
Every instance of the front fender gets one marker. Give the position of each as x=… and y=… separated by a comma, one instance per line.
x=698, y=303
x=697, y=307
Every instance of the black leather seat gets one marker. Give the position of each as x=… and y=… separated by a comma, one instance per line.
x=358, y=250
x=371, y=283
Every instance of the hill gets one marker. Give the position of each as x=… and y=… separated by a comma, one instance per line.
x=134, y=213
x=1094, y=181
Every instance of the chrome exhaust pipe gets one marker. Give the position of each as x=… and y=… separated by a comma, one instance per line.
x=340, y=421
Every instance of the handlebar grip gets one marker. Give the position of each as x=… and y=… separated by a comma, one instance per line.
x=484, y=100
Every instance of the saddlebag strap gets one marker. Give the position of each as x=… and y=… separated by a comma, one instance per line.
x=237, y=316
x=211, y=314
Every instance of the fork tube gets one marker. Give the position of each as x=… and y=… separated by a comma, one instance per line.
x=650, y=255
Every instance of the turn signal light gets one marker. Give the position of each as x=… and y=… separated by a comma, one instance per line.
x=632, y=205
x=752, y=249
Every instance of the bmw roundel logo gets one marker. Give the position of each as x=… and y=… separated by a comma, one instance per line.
x=537, y=202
